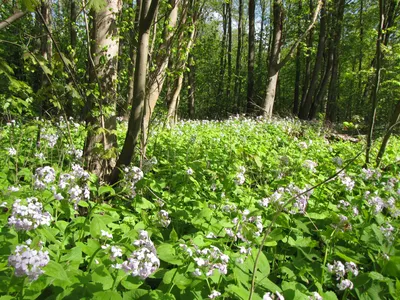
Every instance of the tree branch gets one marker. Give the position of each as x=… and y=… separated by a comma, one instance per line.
x=297, y=43
x=9, y=20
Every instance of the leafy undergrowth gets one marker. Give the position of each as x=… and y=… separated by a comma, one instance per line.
x=218, y=210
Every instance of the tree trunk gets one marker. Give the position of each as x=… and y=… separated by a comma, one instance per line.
x=181, y=65
x=229, y=79
x=274, y=58
x=132, y=55
x=375, y=88
x=192, y=87
x=296, y=96
x=104, y=54
x=333, y=86
x=138, y=106
x=251, y=56
x=222, y=59
x=157, y=78
x=307, y=72
x=394, y=121
x=238, y=58
x=307, y=102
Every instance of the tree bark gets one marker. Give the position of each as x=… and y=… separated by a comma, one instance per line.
x=238, y=58
x=307, y=102
x=192, y=87
x=104, y=53
x=157, y=78
x=331, y=108
x=229, y=79
x=16, y=16
x=251, y=56
x=274, y=58
x=375, y=88
x=138, y=106
x=296, y=96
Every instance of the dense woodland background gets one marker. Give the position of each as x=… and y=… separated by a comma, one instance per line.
x=147, y=60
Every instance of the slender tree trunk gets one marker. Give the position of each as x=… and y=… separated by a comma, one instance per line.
x=251, y=56
x=394, y=121
x=296, y=96
x=375, y=88
x=229, y=79
x=260, y=65
x=147, y=13
x=331, y=108
x=132, y=55
x=238, y=58
x=157, y=78
x=307, y=72
x=222, y=60
x=192, y=87
x=305, y=108
x=181, y=65
x=274, y=58
x=105, y=45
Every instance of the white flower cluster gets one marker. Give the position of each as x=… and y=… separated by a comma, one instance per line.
x=311, y=165
x=75, y=153
x=299, y=206
x=214, y=294
x=51, y=139
x=240, y=179
x=207, y=260
x=340, y=270
x=27, y=261
x=337, y=161
x=74, y=185
x=345, y=205
x=370, y=174
x=29, y=216
x=132, y=175
x=378, y=204
x=388, y=232
x=271, y=296
x=315, y=296
x=346, y=181
x=11, y=151
x=164, y=218
x=43, y=177
x=149, y=164
x=242, y=228
x=143, y=261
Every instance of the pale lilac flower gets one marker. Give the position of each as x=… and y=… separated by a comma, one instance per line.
x=303, y=145
x=44, y=176
x=309, y=164
x=115, y=252
x=29, y=216
x=40, y=156
x=214, y=294
x=315, y=296
x=29, y=262
x=164, y=218
x=189, y=171
x=337, y=268
x=211, y=235
x=143, y=261
x=387, y=232
x=197, y=272
x=106, y=234
x=351, y=267
x=13, y=188
x=11, y=151
x=337, y=161
x=345, y=284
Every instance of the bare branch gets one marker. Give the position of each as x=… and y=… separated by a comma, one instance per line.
x=9, y=20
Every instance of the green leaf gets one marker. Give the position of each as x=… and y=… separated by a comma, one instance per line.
x=106, y=189
x=107, y=295
x=97, y=225
x=167, y=253
x=55, y=270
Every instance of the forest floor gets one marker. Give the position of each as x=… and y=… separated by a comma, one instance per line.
x=236, y=209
